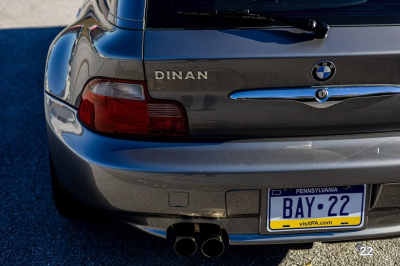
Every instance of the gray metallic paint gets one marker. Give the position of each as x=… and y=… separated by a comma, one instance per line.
x=98, y=50
x=275, y=58
x=133, y=178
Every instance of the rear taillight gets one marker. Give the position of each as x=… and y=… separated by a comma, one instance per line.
x=125, y=108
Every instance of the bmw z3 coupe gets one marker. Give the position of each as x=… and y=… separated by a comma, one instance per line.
x=229, y=122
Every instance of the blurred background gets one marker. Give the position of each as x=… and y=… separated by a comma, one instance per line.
x=37, y=13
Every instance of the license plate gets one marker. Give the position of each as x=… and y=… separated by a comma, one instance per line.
x=315, y=208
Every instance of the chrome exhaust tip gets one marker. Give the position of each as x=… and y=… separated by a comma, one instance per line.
x=212, y=242
x=185, y=246
x=185, y=243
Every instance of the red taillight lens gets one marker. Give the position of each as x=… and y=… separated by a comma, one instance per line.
x=123, y=107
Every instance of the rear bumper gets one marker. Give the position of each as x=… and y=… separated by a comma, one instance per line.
x=381, y=224
x=159, y=184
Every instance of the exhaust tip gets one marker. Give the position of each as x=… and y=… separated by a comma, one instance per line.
x=185, y=242
x=185, y=246
x=213, y=247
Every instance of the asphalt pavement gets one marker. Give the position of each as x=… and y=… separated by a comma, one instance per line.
x=33, y=233
x=33, y=13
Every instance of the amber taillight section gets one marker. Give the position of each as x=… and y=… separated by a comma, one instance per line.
x=125, y=108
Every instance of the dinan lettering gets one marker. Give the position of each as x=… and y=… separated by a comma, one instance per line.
x=181, y=75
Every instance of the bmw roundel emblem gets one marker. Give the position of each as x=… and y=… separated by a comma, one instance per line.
x=323, y=71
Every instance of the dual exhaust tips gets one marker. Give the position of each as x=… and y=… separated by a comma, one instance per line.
x=212, y=244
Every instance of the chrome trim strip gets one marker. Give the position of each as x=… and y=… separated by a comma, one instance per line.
x=318, y=97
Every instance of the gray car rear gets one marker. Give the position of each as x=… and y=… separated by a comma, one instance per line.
x=254, y=116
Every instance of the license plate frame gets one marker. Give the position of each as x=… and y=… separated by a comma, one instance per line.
x=362, y=199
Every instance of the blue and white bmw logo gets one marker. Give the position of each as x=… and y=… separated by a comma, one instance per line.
x=323, y=71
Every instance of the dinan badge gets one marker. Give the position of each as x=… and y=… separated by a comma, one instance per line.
x=323, y=71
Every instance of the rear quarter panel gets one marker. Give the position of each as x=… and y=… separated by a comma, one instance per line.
x=92, y=47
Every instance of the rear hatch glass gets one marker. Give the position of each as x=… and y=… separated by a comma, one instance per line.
x=163, y=13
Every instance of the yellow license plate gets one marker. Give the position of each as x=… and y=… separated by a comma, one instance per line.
x=316, y=208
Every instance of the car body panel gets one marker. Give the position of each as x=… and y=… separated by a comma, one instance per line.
x=221, y=166
x=95, y=48
x=239, y=60
x=247, y=147
x=133, y=179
